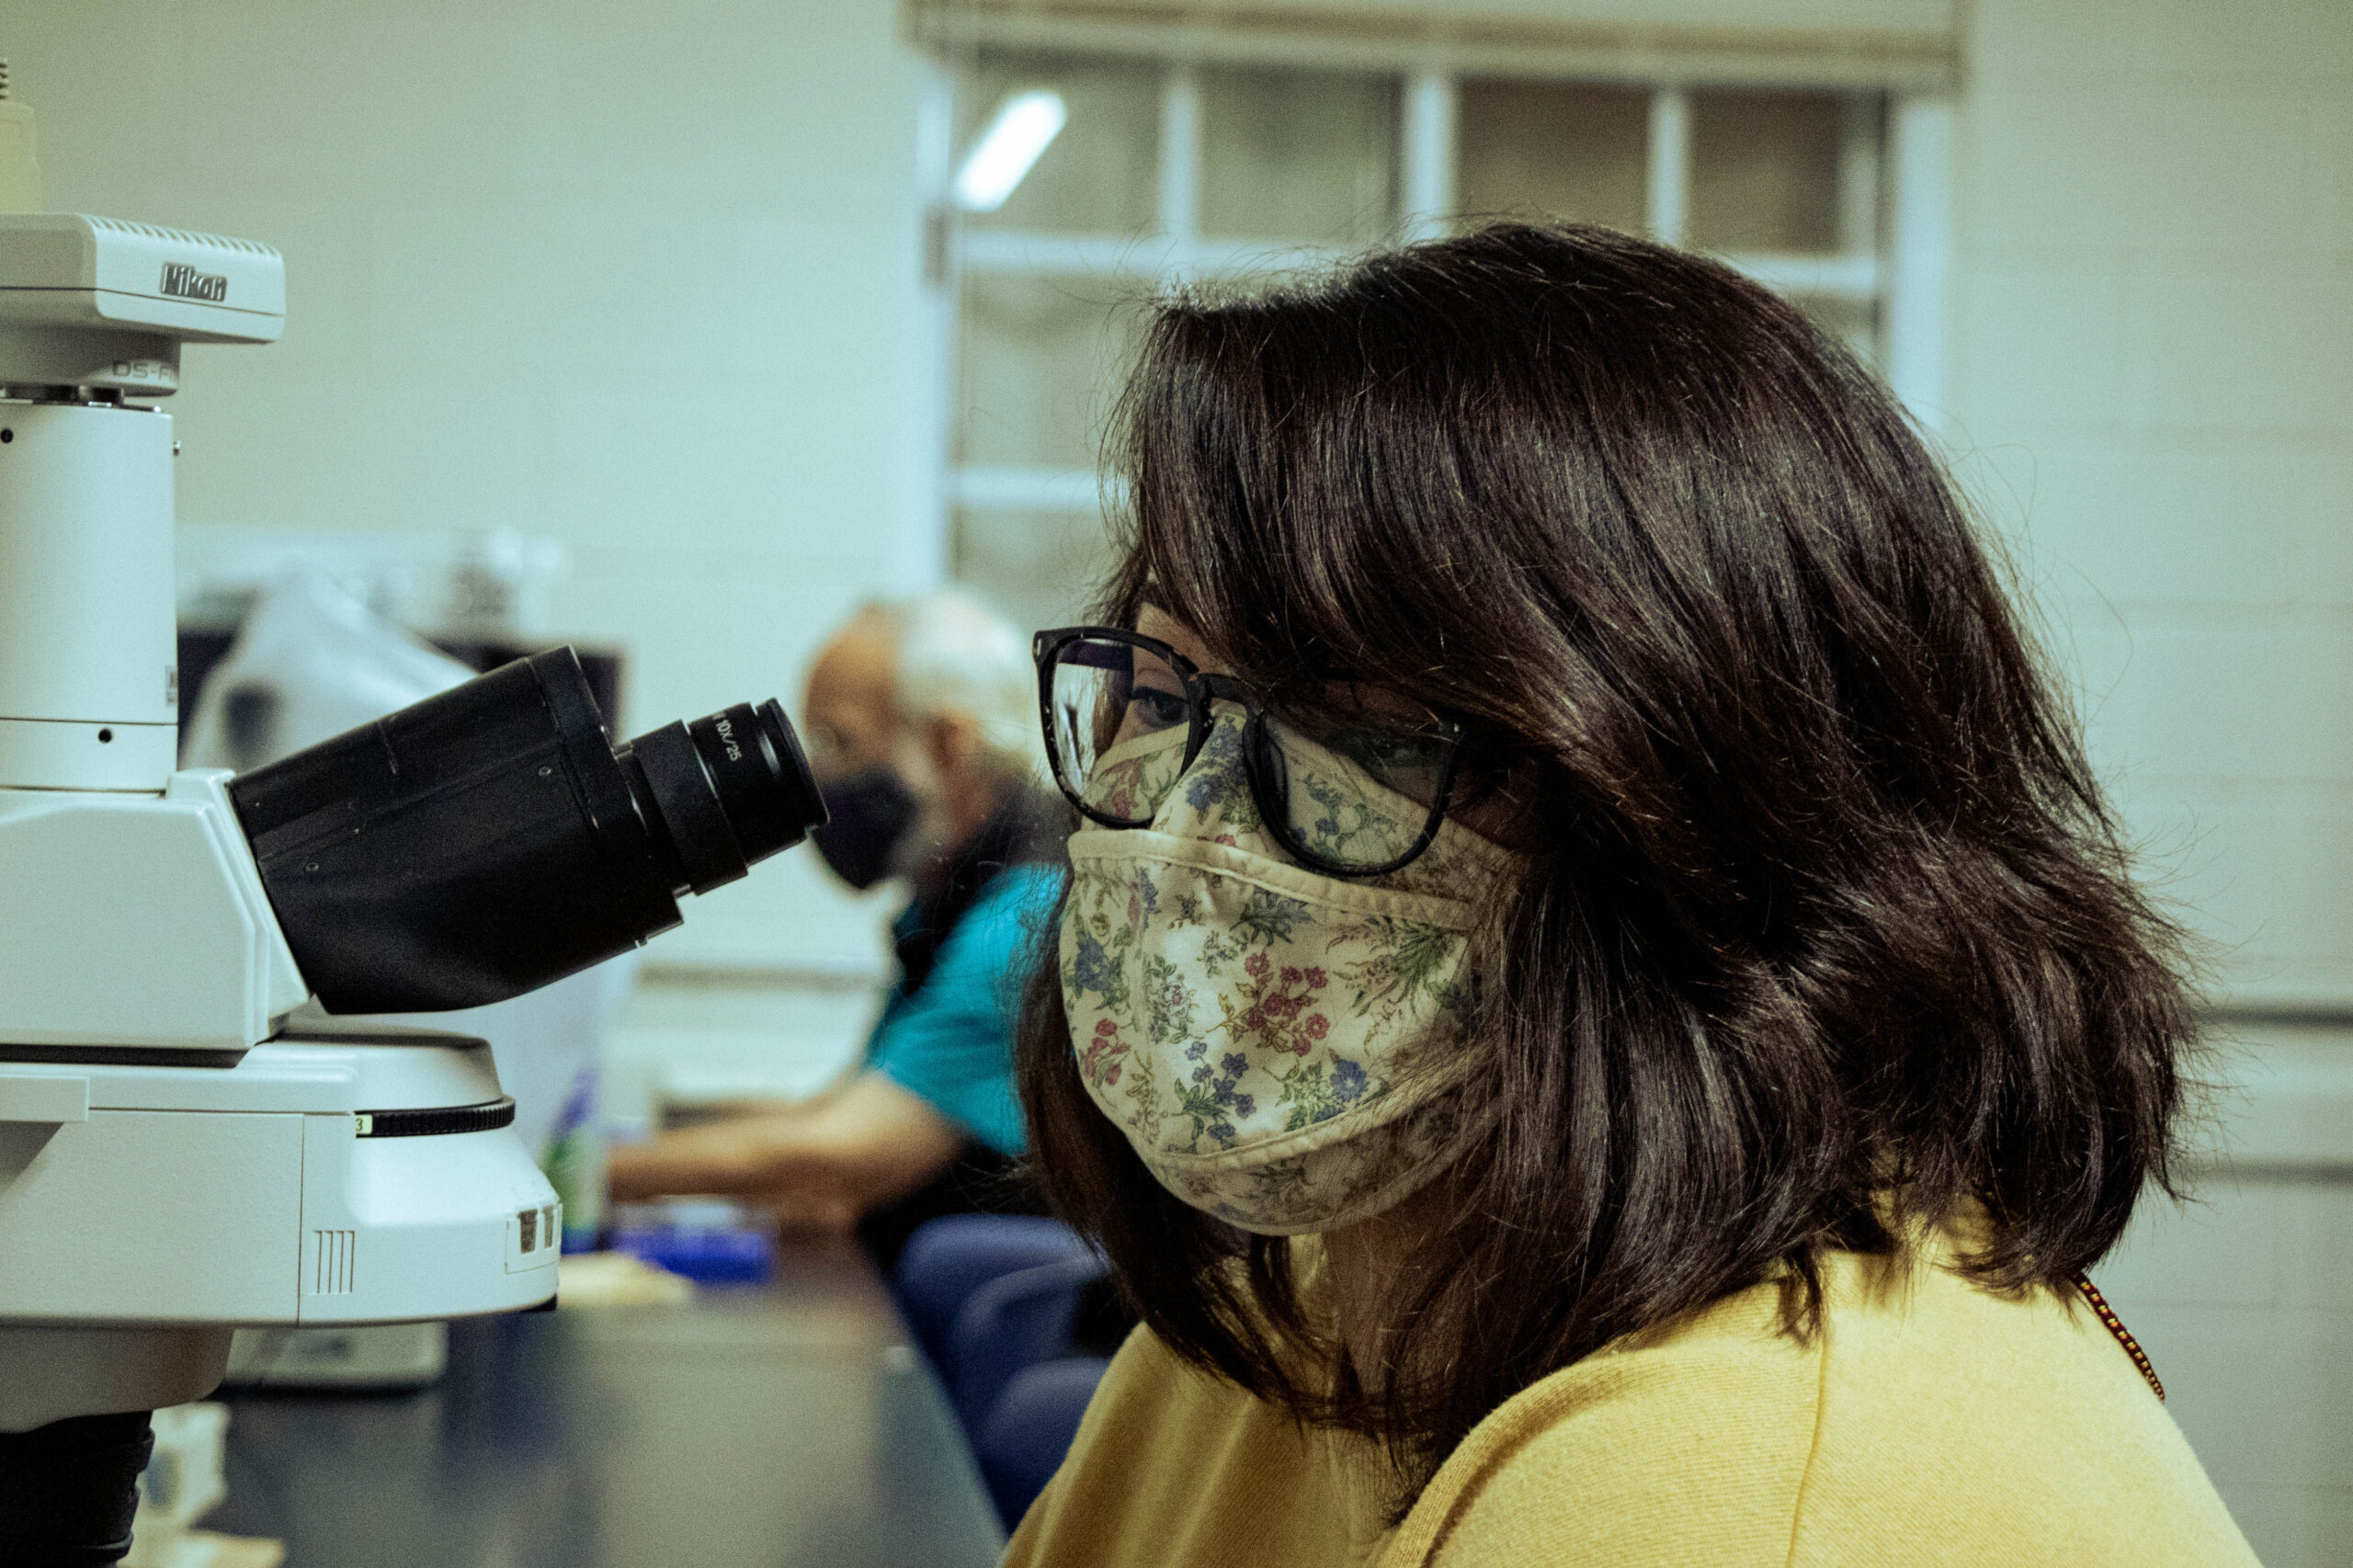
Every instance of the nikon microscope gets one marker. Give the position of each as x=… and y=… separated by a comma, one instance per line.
x=190, y=1139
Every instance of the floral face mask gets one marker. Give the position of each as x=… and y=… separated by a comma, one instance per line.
x=1278, y=1046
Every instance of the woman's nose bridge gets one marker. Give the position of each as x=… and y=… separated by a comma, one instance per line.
x=1222, y=748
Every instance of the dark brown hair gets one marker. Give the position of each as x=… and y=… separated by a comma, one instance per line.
x=1829, y=931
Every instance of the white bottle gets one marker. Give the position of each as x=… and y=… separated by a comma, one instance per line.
x=20, y=154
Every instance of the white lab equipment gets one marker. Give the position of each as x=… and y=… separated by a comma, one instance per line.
x=308, y=663
x=184, y=1145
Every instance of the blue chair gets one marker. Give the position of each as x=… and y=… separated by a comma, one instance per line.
x=1010, y=1324
x=949, y=1258
x=1030, y=1428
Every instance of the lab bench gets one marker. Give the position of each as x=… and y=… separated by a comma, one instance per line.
x=784, y=1426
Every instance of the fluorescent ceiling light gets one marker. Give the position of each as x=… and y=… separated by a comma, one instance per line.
x=1023, y=127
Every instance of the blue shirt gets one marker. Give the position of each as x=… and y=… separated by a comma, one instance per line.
x=949, y=1041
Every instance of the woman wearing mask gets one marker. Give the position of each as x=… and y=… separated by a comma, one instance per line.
x=1600, y=1013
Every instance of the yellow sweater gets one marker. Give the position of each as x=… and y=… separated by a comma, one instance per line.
x=1929, y=1422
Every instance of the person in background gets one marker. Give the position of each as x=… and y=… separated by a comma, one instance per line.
x=921, y=724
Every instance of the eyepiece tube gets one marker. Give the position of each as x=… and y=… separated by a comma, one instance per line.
x=728, y=789
x=487, y=841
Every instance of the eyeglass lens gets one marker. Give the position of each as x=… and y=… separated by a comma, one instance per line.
x=1353, y=794
x=1120, y=721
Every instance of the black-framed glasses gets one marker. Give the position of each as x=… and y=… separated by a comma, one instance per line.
x=1346, y=790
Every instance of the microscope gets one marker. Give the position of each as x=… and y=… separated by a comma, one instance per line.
x=191, y=1137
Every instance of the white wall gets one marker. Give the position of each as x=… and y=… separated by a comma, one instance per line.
x=2154, y=369
x=2243, y=1299
x=641, y=278
x=2152, y=389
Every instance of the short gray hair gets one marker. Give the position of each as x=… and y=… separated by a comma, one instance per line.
x=953, y=654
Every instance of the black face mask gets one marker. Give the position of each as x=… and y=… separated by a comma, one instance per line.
x=868, y=813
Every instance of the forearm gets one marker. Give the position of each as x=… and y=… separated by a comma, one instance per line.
x=825, y=1166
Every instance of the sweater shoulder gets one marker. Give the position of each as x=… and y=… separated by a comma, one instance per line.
x=1690, y=1445
x=1923, y=1420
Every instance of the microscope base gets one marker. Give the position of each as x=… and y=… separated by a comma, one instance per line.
x=340, y=1173
x=49, y=1373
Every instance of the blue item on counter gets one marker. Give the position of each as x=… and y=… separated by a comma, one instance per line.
x=707, y=1258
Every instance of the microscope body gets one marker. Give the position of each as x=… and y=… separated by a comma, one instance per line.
x=188, y=1142
x=175, y=1157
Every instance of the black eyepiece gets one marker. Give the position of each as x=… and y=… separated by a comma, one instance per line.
x=762, y=779
x=725, y=790
x=484, y=842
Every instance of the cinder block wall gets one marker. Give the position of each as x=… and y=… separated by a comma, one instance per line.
x=2152, y=390
x=2152, y=374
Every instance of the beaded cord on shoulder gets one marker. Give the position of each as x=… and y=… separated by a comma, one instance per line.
x=2115, y=1326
